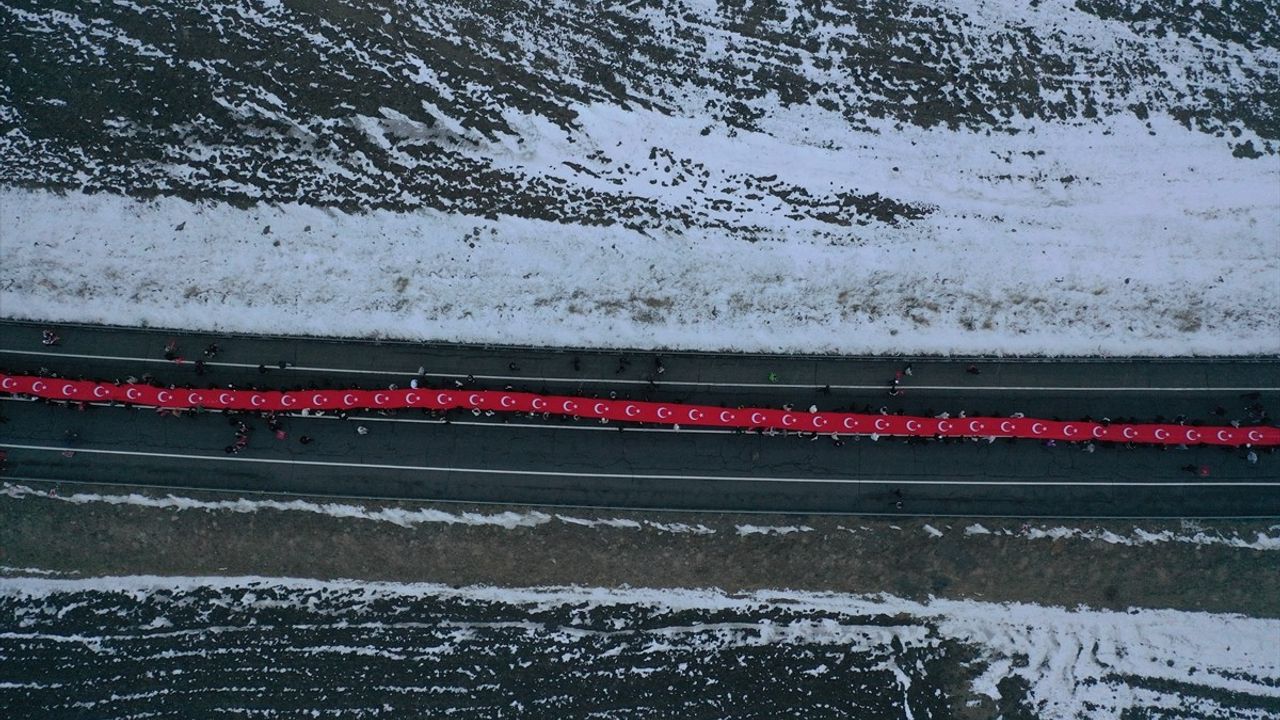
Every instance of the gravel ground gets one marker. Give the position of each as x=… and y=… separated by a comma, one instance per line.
x=551, y=547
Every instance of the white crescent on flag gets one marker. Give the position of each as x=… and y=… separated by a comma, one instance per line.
x=664, y=413
x=1193, y=435
x=223, y=398
x=8, y=383
x=473, y=400
x=788, y=420
x=756, y=418
x=444, y=399
x=1221, y=436
x=38, y=386
x=726, y=416
x=288, y=400
x=944, y=426
x=102, y=394
x=539, y=404
x=912, y=425
x=1161, y=434
x=849, y=423
x=193, y=398
x=164, y=396
x=1129, y=433
x=256, y=400
x=881, y=420
x=629, y=410
x=380, y=399
x=599, y=408
x=819, y=421
x=1098, y=431
x=1006, y=426
x=507, y=401
x=348, y=399
x=317, y=399
x=695, y=414
x=1070, y=430
x=568, y=406
x=1255, y=436
x=67, y=389
x=975, y=426
x=1037, y=428
x=130, y=393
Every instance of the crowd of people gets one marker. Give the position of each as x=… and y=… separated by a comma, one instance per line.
x=1253, y=412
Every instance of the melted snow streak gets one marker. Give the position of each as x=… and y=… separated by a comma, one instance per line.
x=200, y=647
x=962, y=176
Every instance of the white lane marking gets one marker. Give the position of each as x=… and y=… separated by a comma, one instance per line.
x=665, y=383
x=630, y=476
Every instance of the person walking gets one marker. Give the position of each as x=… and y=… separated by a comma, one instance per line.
x=362, y=430
x=306, y=439
x=71, y=438
x=49, y=337
x=171, y=349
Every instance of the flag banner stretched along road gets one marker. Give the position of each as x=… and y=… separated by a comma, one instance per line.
x=654, y=413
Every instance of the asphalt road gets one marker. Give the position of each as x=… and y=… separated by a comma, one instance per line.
x=505, y=459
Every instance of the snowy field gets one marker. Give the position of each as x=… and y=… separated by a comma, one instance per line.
x=1096, y=177
x=218, y=646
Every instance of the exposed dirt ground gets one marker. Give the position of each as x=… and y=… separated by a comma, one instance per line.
x=842, y=554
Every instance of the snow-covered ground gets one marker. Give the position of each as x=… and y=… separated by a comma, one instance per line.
x=1072, y=663
x=921, y=177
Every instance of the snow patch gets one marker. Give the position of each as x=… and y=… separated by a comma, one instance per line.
x=402, y=517
x=771, y=529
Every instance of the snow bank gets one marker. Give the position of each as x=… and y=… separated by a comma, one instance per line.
x=1188, y=531
x=402, y=517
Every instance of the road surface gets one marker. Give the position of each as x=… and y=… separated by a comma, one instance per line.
x=508, y=459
